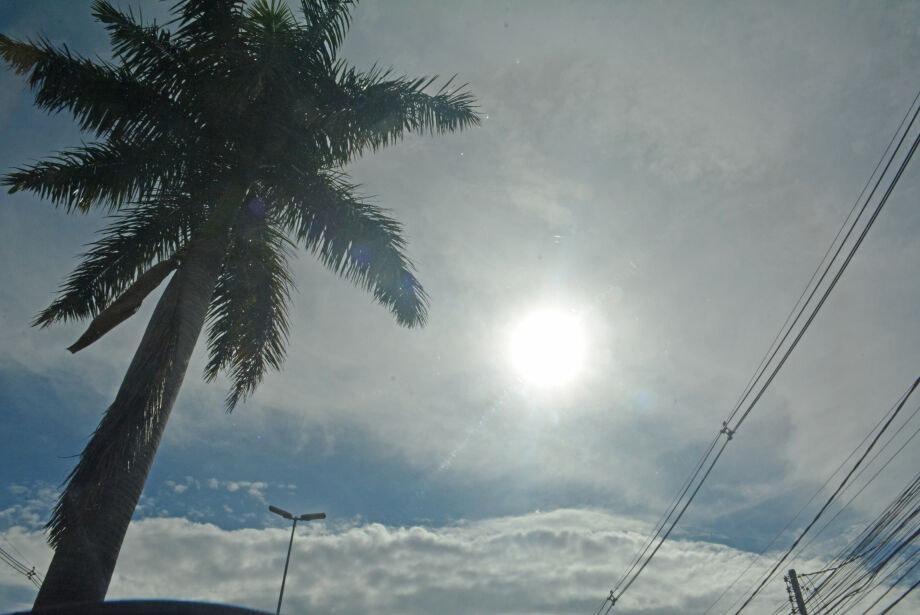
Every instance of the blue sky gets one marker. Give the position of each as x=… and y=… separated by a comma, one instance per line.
x=670, y=172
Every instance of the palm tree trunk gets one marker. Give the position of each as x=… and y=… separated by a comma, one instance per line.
x=92, y=515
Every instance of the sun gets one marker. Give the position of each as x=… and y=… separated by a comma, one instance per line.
x=548, y=347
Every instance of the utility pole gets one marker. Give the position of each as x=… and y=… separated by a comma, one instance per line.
x=797, y=592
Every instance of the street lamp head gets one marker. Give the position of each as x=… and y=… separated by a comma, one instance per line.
x=311, y=516
x=279, y=511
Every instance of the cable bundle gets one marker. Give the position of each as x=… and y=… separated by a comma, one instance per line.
x=823, y=280
x=21, y=568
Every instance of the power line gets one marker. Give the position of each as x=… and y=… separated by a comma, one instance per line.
x=771, y=351
x=867, y=556
x=830, y=500
x=635, y=569
x=21, y=568
x=901, y=597
x=881, y=542
x=864, y=486
x=873, y=477
x=800, y=511
x=856, y=594
x=674, y=523
x=18, y=552
x=666, y=517
x=843, y=267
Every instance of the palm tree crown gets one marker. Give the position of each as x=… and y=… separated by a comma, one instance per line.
x=221, y=140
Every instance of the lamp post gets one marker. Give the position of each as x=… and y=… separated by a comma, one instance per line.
x=287, y=515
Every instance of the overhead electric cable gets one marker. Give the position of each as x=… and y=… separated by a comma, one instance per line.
x=845, y=264
x=901, y=597
x=879, y=543
x=674, y=523
x=891, y=586
x=830, y=500
x=726, y=429
x=601, y=607
x=861, y=538
x=777, y=536
x=19, y=567
x=812, y=599
x=839, y=273
x=869, y=534
x=815, y=535
x=670, y=512
x=809, y=574
x=771, y=352
x=13, y=562
x=17, y=551
x=868, y=482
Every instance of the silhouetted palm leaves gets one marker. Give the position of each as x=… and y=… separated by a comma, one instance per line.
x=219, y=142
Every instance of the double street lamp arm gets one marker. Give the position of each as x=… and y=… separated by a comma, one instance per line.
x=287, y=515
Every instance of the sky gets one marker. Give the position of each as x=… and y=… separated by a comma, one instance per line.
x=667, y=174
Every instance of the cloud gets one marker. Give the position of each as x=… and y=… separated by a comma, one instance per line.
x=255, y=489
x=28, y=546
x=687, y=168
x=562, y=561
x=176, y=488
x=34, y=507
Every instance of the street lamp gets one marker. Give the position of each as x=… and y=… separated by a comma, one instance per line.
x=287, y=515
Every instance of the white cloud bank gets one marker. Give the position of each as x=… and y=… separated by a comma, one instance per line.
x=563, y=561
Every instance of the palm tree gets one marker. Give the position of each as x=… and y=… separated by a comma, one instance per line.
x=221, y=140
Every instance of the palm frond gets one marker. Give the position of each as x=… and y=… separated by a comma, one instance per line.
x=206, y=26
x=137, y=237
x=327, y=22
x=371, y=110
x=106, y=174
x=248, y=318
x=104, y=99
x=21, y=57
x=126, y=305
x=271, y=16
x=355, y=239
x=270, y=29
x=147, y=50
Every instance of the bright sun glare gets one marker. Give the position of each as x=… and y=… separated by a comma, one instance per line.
x=547, y=347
